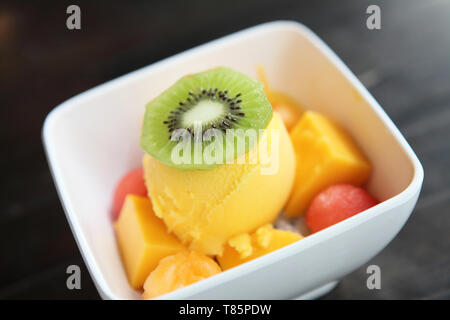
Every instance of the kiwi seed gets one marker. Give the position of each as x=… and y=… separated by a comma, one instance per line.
x=232, y=105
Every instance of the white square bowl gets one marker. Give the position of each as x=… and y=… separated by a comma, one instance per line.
x=93, y=139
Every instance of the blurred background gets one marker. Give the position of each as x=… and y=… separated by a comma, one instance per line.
x=405, y=65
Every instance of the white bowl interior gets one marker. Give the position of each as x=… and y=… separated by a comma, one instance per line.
x=93, y=139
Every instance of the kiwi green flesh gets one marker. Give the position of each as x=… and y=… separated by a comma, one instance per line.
x=219, y=98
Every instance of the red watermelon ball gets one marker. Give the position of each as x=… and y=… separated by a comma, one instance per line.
x=336, y=203
x=131, y=183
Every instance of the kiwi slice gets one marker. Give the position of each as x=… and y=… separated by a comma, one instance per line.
x=207, y=103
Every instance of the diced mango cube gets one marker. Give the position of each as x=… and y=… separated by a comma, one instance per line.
x=245, y=247
x=325, y=155
x=143, y=239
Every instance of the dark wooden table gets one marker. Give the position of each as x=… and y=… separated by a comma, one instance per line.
x=406, y=65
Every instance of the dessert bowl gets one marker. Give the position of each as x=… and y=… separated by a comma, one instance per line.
x=92, y=139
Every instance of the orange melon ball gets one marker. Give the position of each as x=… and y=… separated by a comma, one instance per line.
x=290, y=114
x=178, y=271
x=288, y=108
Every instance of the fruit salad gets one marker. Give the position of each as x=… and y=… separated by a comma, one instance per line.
x=227, y=157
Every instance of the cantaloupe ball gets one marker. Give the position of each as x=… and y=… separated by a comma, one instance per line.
x=178, y=271
x=289, y=109
x=289, y=113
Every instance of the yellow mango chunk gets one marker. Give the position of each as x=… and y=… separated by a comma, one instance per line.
x=143, y=239
x=325, y=155
x=245, y=247
x=178, y=271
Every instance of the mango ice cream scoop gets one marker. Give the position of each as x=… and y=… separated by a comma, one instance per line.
x=205, y=208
